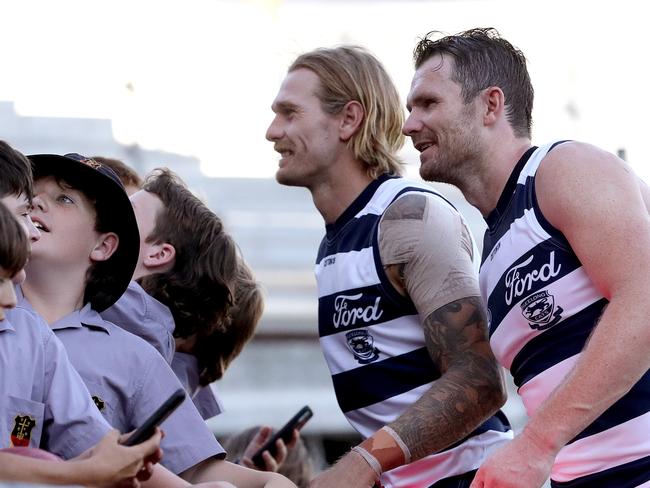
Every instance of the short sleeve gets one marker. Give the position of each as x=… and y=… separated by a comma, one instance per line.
x=188, y=440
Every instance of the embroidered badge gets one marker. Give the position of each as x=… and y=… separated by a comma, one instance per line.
x=101, y=405
x=91, y=162
x=540, y=310
x=21, y=433
x=362, y=345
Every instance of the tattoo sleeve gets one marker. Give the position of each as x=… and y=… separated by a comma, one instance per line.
x=469, y=390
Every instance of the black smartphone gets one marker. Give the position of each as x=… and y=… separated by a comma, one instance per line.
x=285, y=433
x=147, y=429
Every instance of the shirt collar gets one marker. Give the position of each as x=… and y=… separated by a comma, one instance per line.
x=509, y=189
x=77, y=319
x=86, y=317
x=154, y=309
x=6, y=325
x=357, y=205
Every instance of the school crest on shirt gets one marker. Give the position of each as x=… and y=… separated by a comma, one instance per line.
x=540, y=310
x=21, y=433
x=101, y=404
x=362, y=345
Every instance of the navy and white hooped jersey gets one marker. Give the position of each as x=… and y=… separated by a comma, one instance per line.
x=542, y=306
x=373, y=340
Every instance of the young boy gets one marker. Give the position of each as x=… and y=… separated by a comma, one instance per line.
x=45, y=403
x=80, y=267
x=187, y=268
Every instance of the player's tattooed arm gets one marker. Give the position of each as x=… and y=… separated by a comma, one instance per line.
x=397, y=246
x=469, y=389
x=423, y=246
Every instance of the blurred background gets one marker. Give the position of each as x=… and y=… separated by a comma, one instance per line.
x=188, y=84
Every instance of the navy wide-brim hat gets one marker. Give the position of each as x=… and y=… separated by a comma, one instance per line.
x=115, y=212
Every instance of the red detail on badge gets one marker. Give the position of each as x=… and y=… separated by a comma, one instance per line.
x=21, y=434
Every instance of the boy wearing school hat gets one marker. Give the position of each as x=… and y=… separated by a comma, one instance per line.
x=45, y=403
x=80, y=266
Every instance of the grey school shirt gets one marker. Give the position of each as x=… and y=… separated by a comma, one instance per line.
x=128, y=379
x=44, y=402
x=141, y=314
x=186, y=368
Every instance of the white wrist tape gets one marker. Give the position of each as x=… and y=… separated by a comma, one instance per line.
x=370, y=459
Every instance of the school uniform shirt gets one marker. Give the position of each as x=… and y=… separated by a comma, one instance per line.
x=186, y=368
x=128, y=380
x=141, y=314
x=44, y=403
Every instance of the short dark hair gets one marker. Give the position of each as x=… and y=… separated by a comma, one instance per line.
x=14, y=248
x=16, y=171
x=215, y=351
x=198, y=288
x=482, y=58
x=127, y=175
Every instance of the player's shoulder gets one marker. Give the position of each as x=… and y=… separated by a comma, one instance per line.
x=574, y=159
x=421, y=206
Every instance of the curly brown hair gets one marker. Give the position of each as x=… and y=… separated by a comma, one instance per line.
x=198, y=288
x=215, y=351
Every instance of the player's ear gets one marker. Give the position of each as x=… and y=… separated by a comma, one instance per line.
x=492, y=105
x=351, y=119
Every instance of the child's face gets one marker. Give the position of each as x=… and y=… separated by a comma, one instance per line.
x=66, y=220
x=19, y=205
x=7, y=292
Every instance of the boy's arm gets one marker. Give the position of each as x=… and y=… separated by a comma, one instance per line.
x=215, y=469
x=106, y=464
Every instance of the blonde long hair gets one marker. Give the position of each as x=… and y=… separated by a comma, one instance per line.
x=351, y=73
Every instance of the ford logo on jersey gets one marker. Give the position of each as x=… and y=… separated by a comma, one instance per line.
x=345, y=313
x=519, y=280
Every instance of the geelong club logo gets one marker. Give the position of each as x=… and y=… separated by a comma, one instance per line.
x=539, y=307
x=540, y=310
x=362, y=345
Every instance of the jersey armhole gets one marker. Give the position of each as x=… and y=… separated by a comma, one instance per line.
x=557, y=237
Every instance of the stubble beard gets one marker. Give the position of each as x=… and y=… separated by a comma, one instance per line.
x=457, y=157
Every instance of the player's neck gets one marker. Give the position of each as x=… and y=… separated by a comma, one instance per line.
x=335, y=194
x=484, y=188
